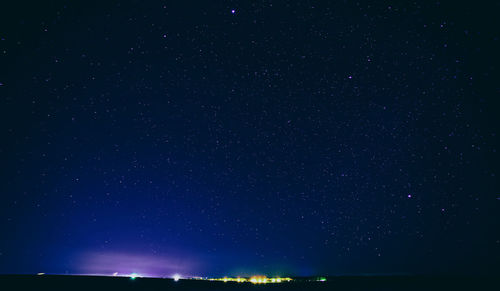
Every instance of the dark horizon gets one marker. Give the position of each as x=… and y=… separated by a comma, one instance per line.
x=249, y=137
x=345, y=283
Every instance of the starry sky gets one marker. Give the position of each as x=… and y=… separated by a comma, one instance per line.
x=249, y=137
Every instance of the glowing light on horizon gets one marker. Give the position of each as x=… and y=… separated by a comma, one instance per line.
x=253, y=279
x=177, y=277
x=107, y=262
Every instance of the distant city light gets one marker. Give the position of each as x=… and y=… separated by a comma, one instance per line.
x=254, y=279
x=133, y=276
x=177, y=277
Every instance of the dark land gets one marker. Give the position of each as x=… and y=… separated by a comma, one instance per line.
x=371, y=283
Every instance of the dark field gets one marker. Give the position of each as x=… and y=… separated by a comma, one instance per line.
x=30, y=282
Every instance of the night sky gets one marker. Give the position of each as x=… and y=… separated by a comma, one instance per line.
x=257, y=137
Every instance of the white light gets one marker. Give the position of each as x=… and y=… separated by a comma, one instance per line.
x=177, y=277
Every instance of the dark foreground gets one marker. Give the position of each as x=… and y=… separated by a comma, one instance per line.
x=374, y=283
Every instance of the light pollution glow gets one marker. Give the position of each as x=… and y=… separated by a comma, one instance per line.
x=143, y=266
x=133, y=265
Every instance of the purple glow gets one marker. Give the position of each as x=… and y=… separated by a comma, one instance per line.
x=124, y=264
x=409, y=195
x=233, y=11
